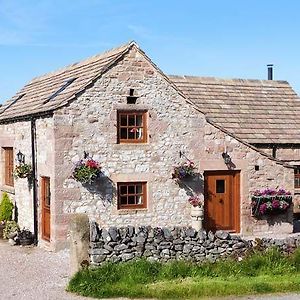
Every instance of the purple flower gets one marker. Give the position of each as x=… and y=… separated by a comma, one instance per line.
x=263, y=208
x=275, y=204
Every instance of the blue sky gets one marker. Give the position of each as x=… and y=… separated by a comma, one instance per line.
x=225, y=38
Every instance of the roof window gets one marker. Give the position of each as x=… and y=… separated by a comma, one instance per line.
x=63, y=87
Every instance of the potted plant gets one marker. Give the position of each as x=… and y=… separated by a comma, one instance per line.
x=6, y=211
x=197, y=212
x=270, y=201
x=11, y=230
x=23, y=171
x=87, y=171
x=184, y=170
x=25, y=237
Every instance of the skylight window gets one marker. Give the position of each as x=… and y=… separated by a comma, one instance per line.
x=12, y=103
x=63, y=87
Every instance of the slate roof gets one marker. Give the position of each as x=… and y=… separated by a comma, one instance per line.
x=40, y=95
x=256, y=111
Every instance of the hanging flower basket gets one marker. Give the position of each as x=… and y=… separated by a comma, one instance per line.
x=184, y=170
x=23, y=171
x=87, y=171
x=270, y=202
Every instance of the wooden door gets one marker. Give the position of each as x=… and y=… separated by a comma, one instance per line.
x=222, y=205
x=46, y=213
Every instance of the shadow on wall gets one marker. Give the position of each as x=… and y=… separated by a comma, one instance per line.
x=104, y=187
x=192, y=185
x=279, y=219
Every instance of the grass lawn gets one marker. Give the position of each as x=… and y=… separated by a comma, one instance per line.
x=259, y=273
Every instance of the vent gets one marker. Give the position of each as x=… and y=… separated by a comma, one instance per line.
x=63, y=87
x=131, y=99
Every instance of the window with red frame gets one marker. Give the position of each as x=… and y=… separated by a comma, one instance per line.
x=132, y=195
x=297, y=178
x=132, y=127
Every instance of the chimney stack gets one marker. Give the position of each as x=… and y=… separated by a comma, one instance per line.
x=270, y=71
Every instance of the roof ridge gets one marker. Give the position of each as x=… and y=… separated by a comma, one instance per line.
x=112, y=51
x=222, y=79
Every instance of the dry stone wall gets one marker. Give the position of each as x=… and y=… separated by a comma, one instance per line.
x=173, y=243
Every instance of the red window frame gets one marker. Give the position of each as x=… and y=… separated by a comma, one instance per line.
x=132, y=195
x=297, y=178
x=129, y=129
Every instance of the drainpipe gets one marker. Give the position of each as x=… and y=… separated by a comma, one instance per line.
x=34, y=191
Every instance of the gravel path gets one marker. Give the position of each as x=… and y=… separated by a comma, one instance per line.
x=31, y=273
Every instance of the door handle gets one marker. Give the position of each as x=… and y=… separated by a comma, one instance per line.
x=221, y=201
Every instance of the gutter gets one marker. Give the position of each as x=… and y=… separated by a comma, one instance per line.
x=34, y=165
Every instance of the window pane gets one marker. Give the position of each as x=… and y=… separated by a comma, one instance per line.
x=139, y=120
x=131, y=134
x=139, y=189
x=123, y=189
x=131, y=189
x=131, y=199
x=123, y=120
x=131, y=120
x=123, y=200
x=139, y=199
x=220, y=186
x=139, y=133
x=123, y=134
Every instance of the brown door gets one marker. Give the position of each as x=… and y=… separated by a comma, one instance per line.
x=222, y=195
x=45, y=197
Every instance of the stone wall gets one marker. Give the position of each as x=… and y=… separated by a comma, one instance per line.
x=18, y=136
x=89, y=124
x=163, y=244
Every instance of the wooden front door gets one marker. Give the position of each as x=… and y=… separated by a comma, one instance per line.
x=222, y=200
x=46, y=214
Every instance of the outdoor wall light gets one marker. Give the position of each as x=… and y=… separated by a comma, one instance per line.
x=20, y=157
x=227, y=158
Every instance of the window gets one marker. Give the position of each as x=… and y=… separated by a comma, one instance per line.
x=220, y=186
x=132, y=127
x=8, y=166
x=132, y=195
x=297, y=178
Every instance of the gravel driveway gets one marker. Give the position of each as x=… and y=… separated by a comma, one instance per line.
x=35, y=274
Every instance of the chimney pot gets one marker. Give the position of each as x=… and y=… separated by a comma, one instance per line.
x=270, y=71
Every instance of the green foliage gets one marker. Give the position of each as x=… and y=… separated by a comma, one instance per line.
x=23, y=171
x=10, y=227
x=86, y=171
x=6, y=208
x=261, y=272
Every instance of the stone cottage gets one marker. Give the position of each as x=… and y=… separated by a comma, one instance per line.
x=121, y=110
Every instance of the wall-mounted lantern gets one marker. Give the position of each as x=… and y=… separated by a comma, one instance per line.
x=227, y=158
x=20, y=157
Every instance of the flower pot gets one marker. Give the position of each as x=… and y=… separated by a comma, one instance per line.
x=197, y=214
x=25, y=241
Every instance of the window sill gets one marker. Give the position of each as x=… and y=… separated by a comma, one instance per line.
x=8, y=189
x=297, y=191
x=132, y=211
x=131, y=146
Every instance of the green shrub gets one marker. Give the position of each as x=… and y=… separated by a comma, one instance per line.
x=6, y=208
x=10, y=227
